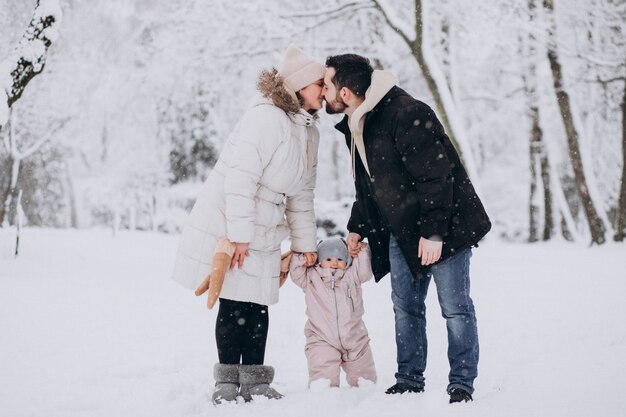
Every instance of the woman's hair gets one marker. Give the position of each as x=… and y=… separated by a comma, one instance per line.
x=300, y=99
x=351, y=71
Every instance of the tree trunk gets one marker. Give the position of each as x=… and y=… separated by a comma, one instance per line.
x=596, y=226
x=548, y=220
x=19, y=218
x=539, y=168
x=73, y=220
x=620, y=221
x=535, y=149
x=417, y=51
x=539, y=165
x=7, y=194
x=14, y=162
x=446, y=59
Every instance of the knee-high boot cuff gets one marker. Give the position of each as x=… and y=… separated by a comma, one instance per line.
x=256, y=374
x=226, y=373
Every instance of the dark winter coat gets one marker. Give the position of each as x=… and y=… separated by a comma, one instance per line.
x=418, y=186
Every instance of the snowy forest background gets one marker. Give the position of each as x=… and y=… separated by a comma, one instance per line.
x=129, y=113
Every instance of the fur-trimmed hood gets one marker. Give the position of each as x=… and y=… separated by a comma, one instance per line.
x=271, y=86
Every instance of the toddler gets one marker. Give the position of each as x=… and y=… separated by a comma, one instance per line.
x=336, y=336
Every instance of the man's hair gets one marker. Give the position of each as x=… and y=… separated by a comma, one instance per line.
x=352, y=71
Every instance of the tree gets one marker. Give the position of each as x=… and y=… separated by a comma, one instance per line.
x=29, y=58
x=538, y=158
x=434, y=76
x=15, y=155
x=620, y=221
x=26, y=61
x=596, y=226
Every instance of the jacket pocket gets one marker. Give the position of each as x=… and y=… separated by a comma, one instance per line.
x=350, y=296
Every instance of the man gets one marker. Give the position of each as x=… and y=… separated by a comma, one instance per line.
x=418, y=209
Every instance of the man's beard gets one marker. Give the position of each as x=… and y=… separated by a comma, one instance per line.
x=337, y=107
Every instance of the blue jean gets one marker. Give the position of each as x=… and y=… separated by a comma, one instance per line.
x=409, y=294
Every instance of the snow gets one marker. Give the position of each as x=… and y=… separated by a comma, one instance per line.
x=91, y=325
x=52, y=34
x=49, y=8
x=33, y=51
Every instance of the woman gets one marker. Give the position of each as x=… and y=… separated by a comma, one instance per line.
x=260, y=191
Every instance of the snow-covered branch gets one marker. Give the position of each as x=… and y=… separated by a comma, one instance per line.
x=347, y=7
x=37, y=145
x=29, y=57
x=325, y=17
x=598, y=61
x=605, y=82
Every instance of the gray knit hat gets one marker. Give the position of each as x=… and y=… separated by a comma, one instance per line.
x=333, y=247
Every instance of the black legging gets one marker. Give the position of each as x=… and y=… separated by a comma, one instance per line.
x=241, y=332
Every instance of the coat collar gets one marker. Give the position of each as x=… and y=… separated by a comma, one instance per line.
x=395, y=91
x=382, y=82
x=274, y=91
x=303, y=118
x=342, y=126
x=327, y=273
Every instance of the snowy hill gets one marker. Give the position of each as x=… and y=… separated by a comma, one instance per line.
x=91, y=325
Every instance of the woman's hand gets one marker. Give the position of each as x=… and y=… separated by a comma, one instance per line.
x=310, y=258
x=241, y=251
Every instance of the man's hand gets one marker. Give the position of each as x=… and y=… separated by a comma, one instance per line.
x=429, y=251
x=241, y=251
x=310, y=258
x=354, y=243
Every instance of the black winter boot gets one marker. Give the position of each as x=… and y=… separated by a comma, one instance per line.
x=256, y=380
x=401, y=388
x=226, y=382
x=457, y=395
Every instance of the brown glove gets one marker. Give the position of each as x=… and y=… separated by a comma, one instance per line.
x=214, y=281
x=285, y=259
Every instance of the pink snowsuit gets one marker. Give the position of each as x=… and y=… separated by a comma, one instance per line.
x=336, y=336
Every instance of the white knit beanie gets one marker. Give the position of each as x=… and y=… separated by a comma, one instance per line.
x=299, y=70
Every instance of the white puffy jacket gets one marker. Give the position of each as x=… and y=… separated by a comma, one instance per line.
x=260, y=191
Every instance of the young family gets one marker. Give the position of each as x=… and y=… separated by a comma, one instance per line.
x=414, y=204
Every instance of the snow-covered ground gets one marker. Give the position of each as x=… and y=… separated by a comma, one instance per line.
x=91, y=325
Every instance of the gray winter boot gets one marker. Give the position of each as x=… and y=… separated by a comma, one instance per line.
x=256, y=380
x=226, y=382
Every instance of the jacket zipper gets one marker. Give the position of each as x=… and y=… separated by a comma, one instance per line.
x=332, y=285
